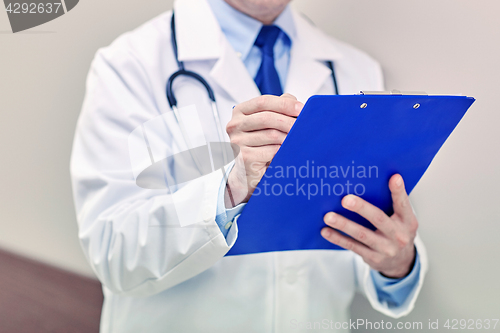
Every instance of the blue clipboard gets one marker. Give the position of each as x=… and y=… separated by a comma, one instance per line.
x=361, y=140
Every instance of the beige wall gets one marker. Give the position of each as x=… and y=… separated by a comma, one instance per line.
x=440, y=46
x=42, y=82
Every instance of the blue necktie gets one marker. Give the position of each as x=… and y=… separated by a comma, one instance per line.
x=267, y=78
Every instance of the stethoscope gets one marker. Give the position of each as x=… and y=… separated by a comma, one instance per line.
x=172, y=101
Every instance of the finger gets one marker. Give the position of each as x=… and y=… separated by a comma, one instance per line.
x=261, y=154
x=356, y=231
x=267, y=120
x=286, y=106
x=290, y=96
x=400, y=200
x=259, y=138
x=347, y=243
x=373, y=214
x=287, y=95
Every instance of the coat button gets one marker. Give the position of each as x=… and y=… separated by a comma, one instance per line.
x=291, y=276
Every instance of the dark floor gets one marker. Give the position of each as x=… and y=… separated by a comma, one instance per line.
x=37, y=298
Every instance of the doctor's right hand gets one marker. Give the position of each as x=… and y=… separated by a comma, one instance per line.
x=259, y=127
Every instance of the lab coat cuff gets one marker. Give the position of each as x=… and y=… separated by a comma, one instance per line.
x=232, y=235
x=196, y=202
x=224, y=217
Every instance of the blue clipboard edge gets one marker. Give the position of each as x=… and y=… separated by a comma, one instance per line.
x=359, y=99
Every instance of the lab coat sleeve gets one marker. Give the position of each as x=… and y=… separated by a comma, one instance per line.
x=367, y=287
x=225, y=216
x=131, y=236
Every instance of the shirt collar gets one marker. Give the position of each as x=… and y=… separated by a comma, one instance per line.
x=241, y=30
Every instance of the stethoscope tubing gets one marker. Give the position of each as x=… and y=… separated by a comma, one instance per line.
x=172, y=101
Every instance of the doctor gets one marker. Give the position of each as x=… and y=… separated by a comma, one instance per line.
x=160, y=277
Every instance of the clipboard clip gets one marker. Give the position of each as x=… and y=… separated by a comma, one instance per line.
x=394, y=92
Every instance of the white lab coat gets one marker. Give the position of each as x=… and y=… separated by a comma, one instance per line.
x=158, y=276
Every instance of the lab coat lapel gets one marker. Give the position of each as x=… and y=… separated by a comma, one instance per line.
x=231, y=74
x=306, y=75
x=310, y=51
x=197, y=30
x=200, y=38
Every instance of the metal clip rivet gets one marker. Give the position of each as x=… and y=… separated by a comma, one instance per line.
x=363, y=106
x=416, y=106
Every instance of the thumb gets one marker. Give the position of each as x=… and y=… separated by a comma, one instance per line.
x=298, y=105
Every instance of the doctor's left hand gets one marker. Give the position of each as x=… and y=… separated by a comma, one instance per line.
x=389, y=249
